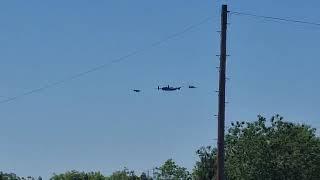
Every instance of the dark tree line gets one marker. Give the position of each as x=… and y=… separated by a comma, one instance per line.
x=264, y=149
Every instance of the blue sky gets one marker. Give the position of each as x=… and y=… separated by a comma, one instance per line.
x=97, y=123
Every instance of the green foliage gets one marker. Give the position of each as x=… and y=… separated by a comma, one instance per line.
x=143, y=176
x=264, y=150
x=9, y=176
x=123, y=175
x=75, y=175
x=274, y=150
x=12, y=176
x=206, y=166
x=171, y=171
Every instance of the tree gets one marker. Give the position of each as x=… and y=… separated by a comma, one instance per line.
x=75, y=175
x=30, y=178
x=265, y=150
x=143, y=176
x=206, y=166
x=274, y=150
x=171, y=171
x=123, y=175
x=8, y=176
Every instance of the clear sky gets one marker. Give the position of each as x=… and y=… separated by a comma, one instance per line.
x=97, y=123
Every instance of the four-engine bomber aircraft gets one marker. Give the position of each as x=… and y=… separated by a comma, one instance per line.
x=167, y=88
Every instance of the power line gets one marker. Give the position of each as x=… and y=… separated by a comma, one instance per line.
x=275, y=18
x=105, y=65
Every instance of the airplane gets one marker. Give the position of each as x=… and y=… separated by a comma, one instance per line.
x=168, y=88
x=192, y=87
x=136, y=90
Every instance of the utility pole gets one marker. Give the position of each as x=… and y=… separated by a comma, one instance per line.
x=222, y=92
